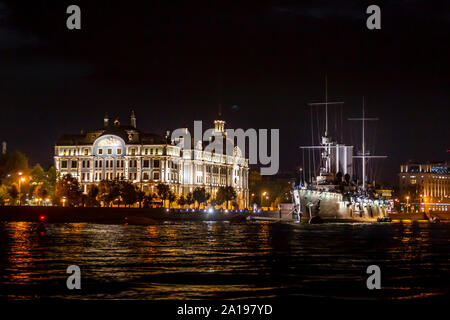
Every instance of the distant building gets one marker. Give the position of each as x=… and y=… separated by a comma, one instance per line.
x=123, y=152
x=425, y=186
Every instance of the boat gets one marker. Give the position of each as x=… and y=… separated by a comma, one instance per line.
x=333, y=195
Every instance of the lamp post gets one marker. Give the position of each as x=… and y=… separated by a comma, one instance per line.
x=407, y=203
x=262, y=198
x=21, y=179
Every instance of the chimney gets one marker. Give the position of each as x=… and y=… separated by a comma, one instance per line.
x=133, y=119
x=3, y=147
x=106, y=120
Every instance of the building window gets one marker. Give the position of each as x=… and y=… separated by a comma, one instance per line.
x=156, y=175
x=145, y=176
x=156, y=163
x=64, y=164
x=109, y=151
x=100, y=151
x=86, y=152
x=74, y=164
x=146, y=163
x=133, y=151
x=119, y=151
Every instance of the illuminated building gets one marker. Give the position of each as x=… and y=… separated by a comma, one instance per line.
x=425, y=186
x=123, y=152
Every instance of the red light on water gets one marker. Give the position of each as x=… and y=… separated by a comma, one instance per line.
x=42, y=218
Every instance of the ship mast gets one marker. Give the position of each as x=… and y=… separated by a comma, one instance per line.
x=365, y=155
x=326, y=140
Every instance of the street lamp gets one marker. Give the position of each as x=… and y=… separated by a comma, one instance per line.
x=262, y=198
x=21, y=179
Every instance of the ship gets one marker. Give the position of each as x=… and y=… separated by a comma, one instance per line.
x=332, y=194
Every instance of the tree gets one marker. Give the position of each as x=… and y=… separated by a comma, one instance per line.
x=50, y=179
x=182, y=201
x=108, y=191
x=92, y=193
x=225, y=194
x=69, y=188
x=171, y=197
x=163, y=191
x=128, y=193
x=190, y=199
x=37, y=173
x=140, y=195
x=13, y=193
x=339, y=177
x=200, y=195
x=148, y=200
x=347, y=179
x=4, y=194
x=12, y=162
x=40, y=192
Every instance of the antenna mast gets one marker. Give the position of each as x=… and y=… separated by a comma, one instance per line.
x=365, y=155
x=326, y=144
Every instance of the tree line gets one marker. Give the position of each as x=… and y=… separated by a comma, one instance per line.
x=20, y=184
x=109, y=193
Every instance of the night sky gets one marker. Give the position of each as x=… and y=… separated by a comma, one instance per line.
x=174, y=63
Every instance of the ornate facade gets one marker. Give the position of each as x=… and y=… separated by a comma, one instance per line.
x=123, y=152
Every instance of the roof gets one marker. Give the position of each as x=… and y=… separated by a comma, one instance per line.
x=129, y=134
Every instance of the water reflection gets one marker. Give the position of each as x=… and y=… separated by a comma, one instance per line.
x=201, y=260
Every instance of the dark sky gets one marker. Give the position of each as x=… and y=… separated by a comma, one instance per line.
x=173, y=64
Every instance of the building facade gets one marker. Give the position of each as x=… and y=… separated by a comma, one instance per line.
x=123, y=152
x=425, y=186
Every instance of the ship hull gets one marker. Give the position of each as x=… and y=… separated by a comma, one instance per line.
x=325, y=206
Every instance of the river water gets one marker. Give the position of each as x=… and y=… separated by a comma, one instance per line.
x=221, y=260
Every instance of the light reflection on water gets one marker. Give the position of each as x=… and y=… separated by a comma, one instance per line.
x=221, y=260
